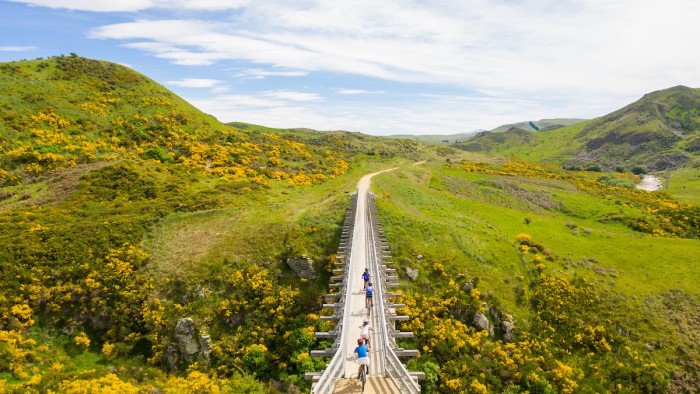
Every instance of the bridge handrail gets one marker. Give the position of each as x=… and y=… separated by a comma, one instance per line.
x=335, y=369
x=392, y=364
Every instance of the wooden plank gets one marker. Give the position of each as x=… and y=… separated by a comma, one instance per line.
x=420, y=375
x=402, y=334
x=328, y=334
x=406, y=352
x=324, y=353
x=313, y=376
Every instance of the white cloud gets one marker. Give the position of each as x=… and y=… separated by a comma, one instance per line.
x=17, y=49
x=195, y=83
x=260, y=73
x=136, y=5
x=92, y=5
x=359, y=91
x=558, y=57
x=293, y=96
x=594, y=46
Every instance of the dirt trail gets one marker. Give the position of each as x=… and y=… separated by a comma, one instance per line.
x=650, y=183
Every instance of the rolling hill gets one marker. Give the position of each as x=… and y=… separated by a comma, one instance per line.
x=542, y=124
x=660, y=131
x=124, y=211
x=436, y=139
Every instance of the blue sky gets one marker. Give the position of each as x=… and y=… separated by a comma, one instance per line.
x=380, y=67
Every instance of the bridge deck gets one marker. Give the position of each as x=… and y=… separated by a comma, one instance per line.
x=374, y=385
x=355, y=295
x=365, y=250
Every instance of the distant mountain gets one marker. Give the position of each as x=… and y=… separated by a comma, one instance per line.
x=540, y=125
x=437, y=139
x=660, y=131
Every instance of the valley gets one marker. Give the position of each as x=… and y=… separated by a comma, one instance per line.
x=146, y=245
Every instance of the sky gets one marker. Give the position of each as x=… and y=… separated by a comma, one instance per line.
x=380, y=67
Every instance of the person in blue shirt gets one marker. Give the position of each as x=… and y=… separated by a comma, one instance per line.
x=362, y=356
x=366, y=276
x=369, y=293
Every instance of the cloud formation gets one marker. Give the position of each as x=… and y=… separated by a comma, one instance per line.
x=17, y=48
x=359, y=91
x=195, y=83
x=135, y=5
x=588, y=57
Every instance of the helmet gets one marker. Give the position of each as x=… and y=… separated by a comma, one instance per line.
x=360, y=341
x=366, y=321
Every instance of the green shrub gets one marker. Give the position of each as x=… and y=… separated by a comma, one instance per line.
x=639, y=169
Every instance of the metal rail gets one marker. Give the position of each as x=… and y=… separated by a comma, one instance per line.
x=385, y=343
x=392, y=366
x=335, y=369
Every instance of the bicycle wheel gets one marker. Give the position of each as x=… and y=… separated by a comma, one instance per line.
x=363, y=376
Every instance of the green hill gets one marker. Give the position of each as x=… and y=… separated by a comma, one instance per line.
x=541, y=125
x=436, y=139
x=597, y=282
x=123, y=209
x=660, y=131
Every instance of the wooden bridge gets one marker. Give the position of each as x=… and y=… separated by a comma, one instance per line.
x=363, y=245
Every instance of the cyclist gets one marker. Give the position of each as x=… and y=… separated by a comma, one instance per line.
x=369, y=292
x=364, y=334
x=366, y=276
x=362, y=356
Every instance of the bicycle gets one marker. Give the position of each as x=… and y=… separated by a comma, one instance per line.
x=363, y=375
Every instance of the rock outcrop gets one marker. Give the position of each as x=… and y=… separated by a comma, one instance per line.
x=482, y=323
x=412, y=273
x=186, y=346
x=302, y=267
x=508, y=328
x=469, y=286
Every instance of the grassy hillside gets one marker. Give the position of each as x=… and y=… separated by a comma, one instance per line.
x=436, y=139
x=542, y=124
x=659, y=131
x=599, y=281
x=124, y=209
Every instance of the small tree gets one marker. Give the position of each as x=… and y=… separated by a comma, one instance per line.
x=639, y=169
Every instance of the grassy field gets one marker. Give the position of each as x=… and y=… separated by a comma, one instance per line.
x=258, y=227
x=453, y=225
x=685, y=184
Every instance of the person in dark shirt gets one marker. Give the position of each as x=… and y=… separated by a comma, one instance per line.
x=366, y=276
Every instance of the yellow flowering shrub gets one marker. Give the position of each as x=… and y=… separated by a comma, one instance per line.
x=15, y=350
x=82, y=341
x=109, y=384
